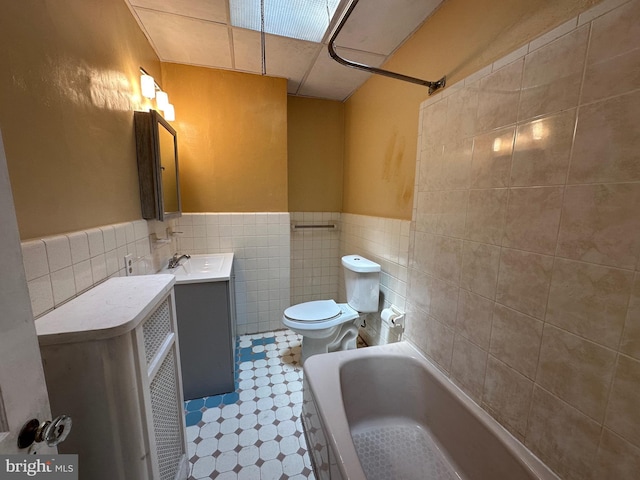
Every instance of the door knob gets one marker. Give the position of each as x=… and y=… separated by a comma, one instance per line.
x=52, y=432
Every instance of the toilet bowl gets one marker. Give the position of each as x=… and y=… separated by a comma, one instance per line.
x=327, y=326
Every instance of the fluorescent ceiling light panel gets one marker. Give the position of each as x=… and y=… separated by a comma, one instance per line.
x=302, y=19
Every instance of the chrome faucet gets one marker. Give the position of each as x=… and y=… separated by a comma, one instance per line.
x=175, y=260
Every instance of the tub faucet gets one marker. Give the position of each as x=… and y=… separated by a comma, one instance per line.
x=175, y=260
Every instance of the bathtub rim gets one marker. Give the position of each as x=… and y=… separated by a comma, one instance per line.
x=322, y=374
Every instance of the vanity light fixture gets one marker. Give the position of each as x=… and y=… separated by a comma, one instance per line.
x=150, y=89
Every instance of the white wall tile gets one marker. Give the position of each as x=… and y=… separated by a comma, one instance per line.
x=255, y=239
x=141, y=229
x=41, y=295
x=34, y=256
x=98, y=268
x=112, y=262
x=79, y=243
x=109, y=238
x=83, y=275
x=142, y=247
x=130, y=232
x=96, y=242
x=58, y=252
x=63, y=285
x=121, y=234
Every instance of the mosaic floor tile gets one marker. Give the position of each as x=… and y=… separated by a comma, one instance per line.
x=254, y=433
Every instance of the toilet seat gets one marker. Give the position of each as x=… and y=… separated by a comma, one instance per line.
x=316, y=311
x=318, y=314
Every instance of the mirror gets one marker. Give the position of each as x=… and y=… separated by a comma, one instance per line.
x=157, y=152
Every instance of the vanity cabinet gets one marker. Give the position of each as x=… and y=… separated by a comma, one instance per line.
x=111, y=362
x=206, y=325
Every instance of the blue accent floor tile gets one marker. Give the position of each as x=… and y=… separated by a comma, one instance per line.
x=245, y=354
x=248, y=355
x=194, y=405
x=214, y=401
x=230, y=398
x=259, y=356
x=193, y=418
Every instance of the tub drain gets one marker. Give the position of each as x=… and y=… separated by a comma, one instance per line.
x=401, y=453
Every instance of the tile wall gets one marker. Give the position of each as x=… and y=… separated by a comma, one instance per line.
x=261, y=246
x=384, y=241
x=61, y=267
x=315, y=262
x=524, y=273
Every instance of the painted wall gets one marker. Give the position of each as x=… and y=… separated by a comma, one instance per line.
x=69, y=84
x=315, y=131
x=524, y=261
x=381, y=117
x=232, y=139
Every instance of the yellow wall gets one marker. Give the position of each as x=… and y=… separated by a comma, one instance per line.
x=232, y=139
x=68, y=88
x=381, y=118
x=69, y=85
x=316, y=150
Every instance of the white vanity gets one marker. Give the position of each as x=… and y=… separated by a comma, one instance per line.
x=111, y=361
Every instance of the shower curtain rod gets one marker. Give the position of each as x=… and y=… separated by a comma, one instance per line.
x=433, y=86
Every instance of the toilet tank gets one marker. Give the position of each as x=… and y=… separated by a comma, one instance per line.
x=362, y=282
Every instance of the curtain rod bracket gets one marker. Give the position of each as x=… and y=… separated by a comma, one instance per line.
x=433, y=86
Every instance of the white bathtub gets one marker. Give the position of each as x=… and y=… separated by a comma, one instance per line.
x=387, y=413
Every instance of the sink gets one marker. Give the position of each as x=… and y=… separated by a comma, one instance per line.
x=214, y=267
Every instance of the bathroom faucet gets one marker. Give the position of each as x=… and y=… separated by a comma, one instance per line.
x=175, y=260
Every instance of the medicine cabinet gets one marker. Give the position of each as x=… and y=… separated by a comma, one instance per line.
x=157, y=152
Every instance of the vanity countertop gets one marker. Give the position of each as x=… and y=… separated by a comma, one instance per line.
x=107, y=310
x=203, y=268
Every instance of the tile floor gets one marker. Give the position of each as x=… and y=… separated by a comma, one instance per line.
x=254, y=433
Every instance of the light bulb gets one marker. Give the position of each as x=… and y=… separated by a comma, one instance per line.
x=162, y=100
x=169, y=113
x=147, y=85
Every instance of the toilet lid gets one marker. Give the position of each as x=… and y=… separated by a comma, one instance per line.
x=315, y=311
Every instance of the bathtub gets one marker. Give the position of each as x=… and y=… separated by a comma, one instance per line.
x=384, y=413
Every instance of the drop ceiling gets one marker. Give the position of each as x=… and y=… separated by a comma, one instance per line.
x=199, y=32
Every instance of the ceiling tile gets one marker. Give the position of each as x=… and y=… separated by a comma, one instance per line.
x=246, y=50
x=329, y=79
x=186, y=40
x=197, y=32
x=290, y=58
x=380, y=26
x=212, y=10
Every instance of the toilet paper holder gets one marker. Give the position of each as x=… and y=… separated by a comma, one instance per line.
x=393, y=316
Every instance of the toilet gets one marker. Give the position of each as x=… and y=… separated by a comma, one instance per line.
x=327, y=326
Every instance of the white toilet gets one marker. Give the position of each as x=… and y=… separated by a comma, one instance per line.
x=327, y=326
